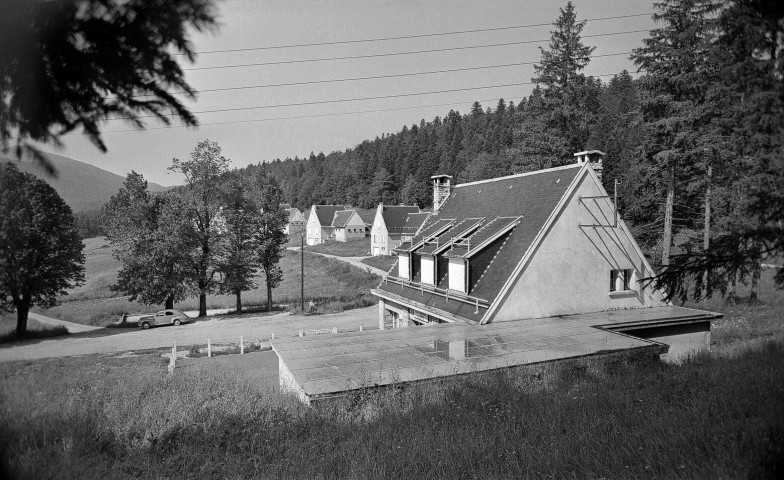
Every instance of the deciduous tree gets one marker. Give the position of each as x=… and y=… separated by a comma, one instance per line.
x=203, y=195
x=271, y=239
x=40, y=252
x=150, y=239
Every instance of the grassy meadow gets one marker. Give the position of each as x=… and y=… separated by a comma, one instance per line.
x=34, y=329
x=718, y=415
x=384, y=262
x=331, y=284
x=355, y=247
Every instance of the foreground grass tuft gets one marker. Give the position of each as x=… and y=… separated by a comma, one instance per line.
x=713, y=417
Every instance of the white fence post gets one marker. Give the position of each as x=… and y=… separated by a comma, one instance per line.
x=360, y=328
x=173, y=359
x=242, y=346
x=209, y=348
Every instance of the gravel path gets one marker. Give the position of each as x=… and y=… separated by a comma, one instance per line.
x=218, y=330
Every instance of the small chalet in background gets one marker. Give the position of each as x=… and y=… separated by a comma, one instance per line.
x=297, y=220
x=333, y=222
x=347, y=224
x=391, y=224
x=319, y=226
x=541, y=244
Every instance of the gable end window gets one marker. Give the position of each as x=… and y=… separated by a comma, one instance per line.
x=620, y=280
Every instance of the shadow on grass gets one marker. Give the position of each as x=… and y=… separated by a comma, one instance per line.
x=47, y=332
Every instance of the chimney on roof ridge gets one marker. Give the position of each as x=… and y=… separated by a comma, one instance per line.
x=442, y=187
x=594, y=157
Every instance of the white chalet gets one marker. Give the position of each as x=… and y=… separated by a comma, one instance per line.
x=541, y=244
x=393, y=225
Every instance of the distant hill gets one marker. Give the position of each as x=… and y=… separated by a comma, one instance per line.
x=82, y=186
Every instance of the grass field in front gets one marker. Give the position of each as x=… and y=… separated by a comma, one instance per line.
x=716, y=416
x=332, y=285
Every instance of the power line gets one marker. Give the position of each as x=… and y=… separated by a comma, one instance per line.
x=295, y=117
x=344, y=100
x=405, y=37
x=391, y=54
x=376, y=77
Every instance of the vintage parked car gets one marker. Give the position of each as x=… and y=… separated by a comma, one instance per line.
x=164, y=317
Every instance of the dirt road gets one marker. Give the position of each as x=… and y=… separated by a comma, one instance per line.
x=252, y=329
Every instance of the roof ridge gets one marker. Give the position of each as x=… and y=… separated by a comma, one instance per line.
x=518, y=175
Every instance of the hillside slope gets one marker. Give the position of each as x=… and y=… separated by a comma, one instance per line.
x=82, y=186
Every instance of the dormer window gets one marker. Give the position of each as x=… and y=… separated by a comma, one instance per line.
x=404, y=266
x=620, y=280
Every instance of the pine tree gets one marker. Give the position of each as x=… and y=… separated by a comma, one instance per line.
x=559, y=113
x=673, y=91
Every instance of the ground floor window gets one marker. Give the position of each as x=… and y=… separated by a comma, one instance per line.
x=620, y=280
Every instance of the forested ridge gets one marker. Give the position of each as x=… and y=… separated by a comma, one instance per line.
x=696, y=140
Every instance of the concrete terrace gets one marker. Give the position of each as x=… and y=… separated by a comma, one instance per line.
x=322, y=366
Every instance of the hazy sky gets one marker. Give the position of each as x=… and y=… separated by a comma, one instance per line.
x=264, y=135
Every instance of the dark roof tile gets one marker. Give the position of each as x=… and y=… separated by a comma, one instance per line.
x=531, y=196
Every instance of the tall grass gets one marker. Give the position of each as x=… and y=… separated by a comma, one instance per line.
x=713, y=417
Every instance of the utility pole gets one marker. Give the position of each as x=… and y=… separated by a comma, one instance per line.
x=302, y=271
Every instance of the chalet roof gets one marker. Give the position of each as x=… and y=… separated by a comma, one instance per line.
x=527, y=199
x=366, y=214
x=395, y=216
x=342, y=217
x=438, y=243
x=414, y=221
x=325, y=213
x=295, y=215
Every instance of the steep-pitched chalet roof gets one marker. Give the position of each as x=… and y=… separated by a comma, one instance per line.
x=325, y=213
x=295, y=215
x=395, y=216
x=342, y=217
x=494, y=222
x=414, y=221
x=366, y=214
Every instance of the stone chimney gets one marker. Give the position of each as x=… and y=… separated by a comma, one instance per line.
x=594, y=157
x=442, y=187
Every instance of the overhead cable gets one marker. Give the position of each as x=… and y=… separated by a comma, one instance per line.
x=390, y=54
x=406, y=37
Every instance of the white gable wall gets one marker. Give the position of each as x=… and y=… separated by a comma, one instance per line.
x=570, y=271
x=379, y=235
x=313, y=228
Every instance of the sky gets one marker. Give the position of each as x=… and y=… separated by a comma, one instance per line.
x=262, y=123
